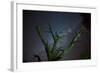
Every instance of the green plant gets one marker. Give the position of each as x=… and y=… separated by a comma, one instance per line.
x=54, y=53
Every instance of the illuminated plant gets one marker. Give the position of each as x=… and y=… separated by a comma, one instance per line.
x=54, y=53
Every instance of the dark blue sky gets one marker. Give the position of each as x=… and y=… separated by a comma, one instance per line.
x=65, y=23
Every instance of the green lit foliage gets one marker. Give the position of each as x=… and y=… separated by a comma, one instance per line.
x=54, y=53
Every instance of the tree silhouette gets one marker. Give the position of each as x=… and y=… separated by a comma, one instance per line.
x=54, y=53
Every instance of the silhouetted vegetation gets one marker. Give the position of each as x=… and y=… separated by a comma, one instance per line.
x=54, y=53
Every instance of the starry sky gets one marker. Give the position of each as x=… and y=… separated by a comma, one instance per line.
x=65, y=23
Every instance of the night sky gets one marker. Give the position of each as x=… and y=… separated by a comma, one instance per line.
x=66, y=24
